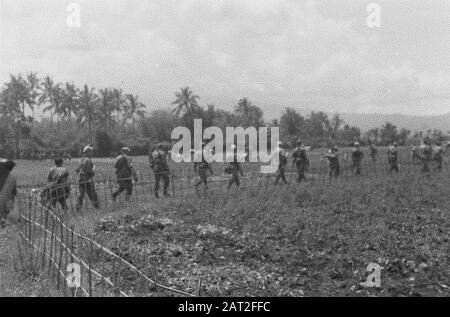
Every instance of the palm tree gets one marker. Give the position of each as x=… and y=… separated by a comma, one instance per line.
x=33, y=83
x=335, y=125
x=18, y=93
x=248, y=115
x=87, y=109
x=134, y=108
x=106, y=107
x=185, y=103
x=52, y=95
x=69, y=102
x=118, y=102
x=13, y=101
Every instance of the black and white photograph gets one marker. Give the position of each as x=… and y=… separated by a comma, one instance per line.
x=223, y=155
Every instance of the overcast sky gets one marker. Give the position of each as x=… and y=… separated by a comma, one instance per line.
x=311, y=54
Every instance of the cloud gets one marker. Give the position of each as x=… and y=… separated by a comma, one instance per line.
x=273, y=51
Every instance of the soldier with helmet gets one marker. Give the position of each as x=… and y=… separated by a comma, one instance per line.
x=426, y=156
x=357, y=157
x=58, y=189
x=8, y=189
x=234, y=169
x=201, y=168
x=86, y=183
x=282, y=157
x=301, y=160
x=373, y=151
x=125, y=174
x=160, y=166
x=438, y=156
x=392, y=157
x=333, y=160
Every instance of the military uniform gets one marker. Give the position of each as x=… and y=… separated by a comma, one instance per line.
x=301, y=161
x=392, y=156
x=373, y=152
x=357, y=157
x=86, y=183
x=415, y=153
x=160, y=167
x=58, y=189
x=8, y=189
x=125, y=174
x=201, y=168
x=333, y=160
x=439, y=158
x=281, y=167
x=234, y=168
x=427, y=156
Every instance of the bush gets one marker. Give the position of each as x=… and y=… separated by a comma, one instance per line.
x=105, y=145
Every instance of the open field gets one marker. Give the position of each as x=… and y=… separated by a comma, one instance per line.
x=314, y=238
x=291, y=241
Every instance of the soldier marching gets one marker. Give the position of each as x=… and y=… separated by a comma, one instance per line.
x=333, y=161
x=300, y=160
x=125, y=174
x=86, y=183
x=201, y=168
x=160, y=166
x=282, y=162
x=58, y=187
x=234, y=169
x=357, y=157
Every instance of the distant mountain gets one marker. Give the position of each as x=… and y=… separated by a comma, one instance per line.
x=367, y=121
x=413, y=123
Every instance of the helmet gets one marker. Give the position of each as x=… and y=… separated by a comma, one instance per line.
x=7, y=164
x=88, y=148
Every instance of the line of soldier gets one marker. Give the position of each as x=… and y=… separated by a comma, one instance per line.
x=426, y=154
x=59, y=188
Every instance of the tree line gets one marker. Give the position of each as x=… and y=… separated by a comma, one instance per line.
x=110, y=118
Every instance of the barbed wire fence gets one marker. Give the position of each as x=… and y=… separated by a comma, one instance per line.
x=59, y=246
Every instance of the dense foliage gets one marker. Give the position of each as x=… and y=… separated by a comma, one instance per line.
x=75, y=116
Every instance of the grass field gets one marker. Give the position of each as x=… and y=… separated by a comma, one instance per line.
x=316, y=238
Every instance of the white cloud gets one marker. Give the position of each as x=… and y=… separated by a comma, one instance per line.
x=294, y=52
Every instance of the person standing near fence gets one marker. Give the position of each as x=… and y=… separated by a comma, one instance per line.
x=333, y=160
x=58, y=189
x=201, y=168
x=8, y=189
x=426, y=156
x=234, y=169
x=373, y=152
x=392, y=157
x=357, y=158
x=86, y=179
x=282, y=157
x=438, y=156
x=415, y=153
x=301, y=161
x=160, y=166
x=125, y=174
